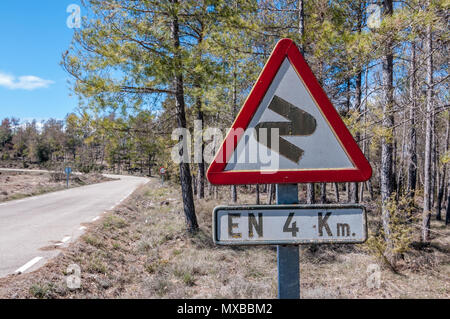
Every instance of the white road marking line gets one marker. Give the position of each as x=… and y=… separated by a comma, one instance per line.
x=65, y=239
x=28, y=265
x=96, y=218
x=82, y=228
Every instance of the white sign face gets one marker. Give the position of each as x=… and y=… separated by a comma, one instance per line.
x=307, y=141
x=289, y=224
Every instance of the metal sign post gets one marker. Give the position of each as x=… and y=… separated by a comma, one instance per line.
x=288, y=258
x=67, y=170
x=162, y=171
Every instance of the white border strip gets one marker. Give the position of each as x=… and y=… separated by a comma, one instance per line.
x=28, y=265
x=65, y=239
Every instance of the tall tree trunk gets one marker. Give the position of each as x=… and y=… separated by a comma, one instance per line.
x=257, y=195
x=201, y=162
x=386, y=183
x=349, y=194
x=310, y=193
x=434, y=158
x=400, y=172
x=336, y=191
x=443, y=183
x=185, y=172
x=354, y=194
x=323, y=193
x=428, y=137
x=358, y=99
x=412, y=144
x=369, y=182
x=200, y=119
x=301, y=24
x=271, y=193
x=447, y=211
x=440, y=196
x=194, y=184
x=233, y=193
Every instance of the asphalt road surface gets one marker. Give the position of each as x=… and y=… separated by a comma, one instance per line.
x=32, y=229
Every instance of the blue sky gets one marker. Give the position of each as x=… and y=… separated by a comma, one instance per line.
x=33, y=35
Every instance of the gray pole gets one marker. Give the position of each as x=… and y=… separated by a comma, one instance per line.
x=288, y=256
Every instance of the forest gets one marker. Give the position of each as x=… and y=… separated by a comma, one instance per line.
x=143, y=68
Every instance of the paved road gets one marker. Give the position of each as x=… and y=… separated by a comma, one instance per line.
x=30, y=226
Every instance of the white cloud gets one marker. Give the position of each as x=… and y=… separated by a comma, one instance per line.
x=26, y=82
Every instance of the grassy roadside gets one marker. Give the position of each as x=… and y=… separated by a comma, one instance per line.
x=141, y=250
x=18, y=185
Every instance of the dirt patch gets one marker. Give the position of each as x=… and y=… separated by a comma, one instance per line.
x=16, y=185
x=142, y=250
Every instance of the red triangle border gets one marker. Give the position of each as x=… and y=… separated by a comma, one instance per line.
x=287, y=48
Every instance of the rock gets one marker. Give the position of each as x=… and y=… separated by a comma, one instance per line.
x=105, y=284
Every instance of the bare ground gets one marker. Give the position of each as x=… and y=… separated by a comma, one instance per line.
x=15, y=185
x=141, y=250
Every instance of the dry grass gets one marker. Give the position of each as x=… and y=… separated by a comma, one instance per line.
x=141, y=250
x=17, y=185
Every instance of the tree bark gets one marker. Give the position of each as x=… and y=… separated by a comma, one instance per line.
x=336, y=191
x=185, y=172
x=354, y=193
x=257, y=195
x=271, y=193
x=358, y=99
x=233, y=193
x=194, y=184
x=200, y=117
x=440, y=195
x=412, y=145
x=310, y=193
x=323, y=193
x=301, y=24
x=386, y=183
x=443, y=183
x=201, y=164
x=434, y=161
x=447, y=212
x=428, y=137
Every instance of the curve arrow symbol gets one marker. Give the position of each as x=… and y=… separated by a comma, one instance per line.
x=301, y=124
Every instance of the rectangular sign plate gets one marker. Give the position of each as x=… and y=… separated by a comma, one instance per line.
x=289, y=224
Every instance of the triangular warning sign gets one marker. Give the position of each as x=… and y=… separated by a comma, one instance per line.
x=288, y=131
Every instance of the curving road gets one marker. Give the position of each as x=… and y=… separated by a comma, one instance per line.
x=32, y=229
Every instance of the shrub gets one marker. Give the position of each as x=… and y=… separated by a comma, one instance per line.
x=401, y=227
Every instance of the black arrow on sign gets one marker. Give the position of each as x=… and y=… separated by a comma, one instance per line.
x=301, y=124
